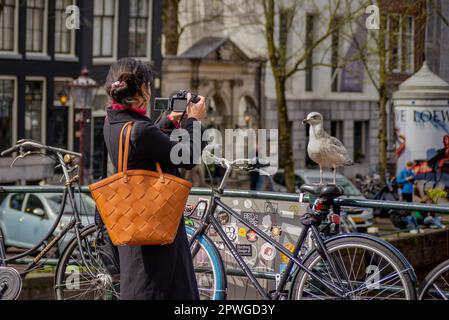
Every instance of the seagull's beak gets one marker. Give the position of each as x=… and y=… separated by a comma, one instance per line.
x=305, y=121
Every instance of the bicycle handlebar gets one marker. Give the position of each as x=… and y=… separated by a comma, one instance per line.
x=243, y=164
x=36, y=145
x=7, y=152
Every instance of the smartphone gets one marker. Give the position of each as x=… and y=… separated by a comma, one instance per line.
x=161, y=104
x=179, y=104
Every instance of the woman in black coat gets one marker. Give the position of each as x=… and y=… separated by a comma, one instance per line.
x=155, y=271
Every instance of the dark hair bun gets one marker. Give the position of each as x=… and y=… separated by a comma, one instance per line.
x=125, y=79
x=125, y=87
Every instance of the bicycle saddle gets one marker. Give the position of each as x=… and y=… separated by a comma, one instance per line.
x=323, y=191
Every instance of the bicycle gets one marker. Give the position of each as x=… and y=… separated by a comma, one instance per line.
x=80, y=272
x=377, y=270
x=436, y=284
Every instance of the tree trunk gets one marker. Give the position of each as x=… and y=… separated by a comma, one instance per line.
x=383, y=99
x=284, y=135
x=171, y=26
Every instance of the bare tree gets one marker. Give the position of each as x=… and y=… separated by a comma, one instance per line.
x=286, y=60
x=173, y=27
x=384, y=56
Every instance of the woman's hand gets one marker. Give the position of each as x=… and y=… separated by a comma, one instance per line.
x=176, y=116
x=197, y=110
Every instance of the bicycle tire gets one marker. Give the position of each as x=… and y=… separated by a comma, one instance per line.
x=353, y=242
x=102, y=276
x=430, y=281
x=218, y=270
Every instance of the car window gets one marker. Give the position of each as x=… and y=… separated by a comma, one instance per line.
x=350, y=189
x=87, y=207
x=16, y=201
x=33, y=203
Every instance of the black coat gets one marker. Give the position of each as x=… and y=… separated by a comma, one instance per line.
x=152, y=272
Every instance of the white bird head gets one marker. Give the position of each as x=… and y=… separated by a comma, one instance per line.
x=313, y=118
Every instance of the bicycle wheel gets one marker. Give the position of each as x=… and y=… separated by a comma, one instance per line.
x=436, y=284
x=209, y=269
x=76, y=280
x=367, y=270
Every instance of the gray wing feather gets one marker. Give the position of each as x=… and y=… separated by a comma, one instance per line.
x=338, y=147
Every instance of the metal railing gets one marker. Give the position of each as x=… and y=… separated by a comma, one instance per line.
x=277, y=196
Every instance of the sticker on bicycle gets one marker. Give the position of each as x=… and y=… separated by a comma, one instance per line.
x=294, y=208
x=212, y=232
x=242, y=232
x=268, y=252
x=201, y=207
x=290, y=247
x=276, y=231
x=373, y=277
x=188, y=209
x=271, y=207
x=223, y=218
x=253, y=218
x=220, y=245
x=251, y=236
x=245, y=250
x=248, y=204
x=266, y=222
x=231, y=232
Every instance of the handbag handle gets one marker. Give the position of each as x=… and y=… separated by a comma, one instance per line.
x=123, y=158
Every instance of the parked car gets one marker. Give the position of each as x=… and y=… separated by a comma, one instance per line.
x=362, y=217
x=26, y=218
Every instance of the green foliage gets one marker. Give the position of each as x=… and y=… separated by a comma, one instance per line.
x=436, y=194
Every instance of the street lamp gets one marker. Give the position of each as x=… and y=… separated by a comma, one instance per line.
x=83, y=94
x=63, y=97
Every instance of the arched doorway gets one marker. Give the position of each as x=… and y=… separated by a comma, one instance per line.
x=216, y=113
x=248, y=115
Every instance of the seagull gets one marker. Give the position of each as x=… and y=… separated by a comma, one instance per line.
x=325, y=150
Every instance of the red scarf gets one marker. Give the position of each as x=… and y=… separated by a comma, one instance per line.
x=118, y=106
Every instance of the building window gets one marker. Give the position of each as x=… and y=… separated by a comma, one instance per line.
x=58, y=122
x=104, y=29
x=34, y=101
x=64, y=37
x=335, y=46
x=7, y=90
x=309, y=45
x=36, y=26
x=337, y=128
x=400, y=43
x=139, y=28
x=409, y=45
x=8, y=23
x=361, y=142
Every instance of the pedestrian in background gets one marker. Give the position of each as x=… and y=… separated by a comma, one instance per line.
x=406, y=180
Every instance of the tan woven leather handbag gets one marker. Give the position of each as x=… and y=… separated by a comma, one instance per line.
x=140, y=207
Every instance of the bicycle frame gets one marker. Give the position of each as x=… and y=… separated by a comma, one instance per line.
x=209, y=219
x=68, y=190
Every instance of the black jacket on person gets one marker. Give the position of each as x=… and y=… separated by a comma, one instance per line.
x=152, y=272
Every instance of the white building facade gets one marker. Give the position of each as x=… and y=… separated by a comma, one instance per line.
x=349, y=106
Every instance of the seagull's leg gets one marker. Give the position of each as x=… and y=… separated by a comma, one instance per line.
x=321, y=175
x=335, y=176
